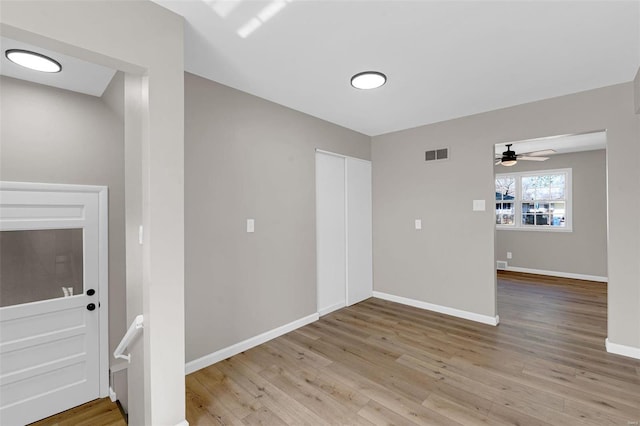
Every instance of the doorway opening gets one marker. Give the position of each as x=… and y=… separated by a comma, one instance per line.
x=551, y=208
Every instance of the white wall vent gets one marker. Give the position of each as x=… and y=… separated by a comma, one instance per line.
x=436, y=154
x=501, y=265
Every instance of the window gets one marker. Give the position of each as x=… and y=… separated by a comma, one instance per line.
x=505, y=197
x=534, y=200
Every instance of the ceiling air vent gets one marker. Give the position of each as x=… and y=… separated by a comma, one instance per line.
x=436, y=154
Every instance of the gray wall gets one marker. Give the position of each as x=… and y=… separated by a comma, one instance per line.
x=57, y=136
x=582, y=251
x=147, y=40
x=636, y=85
x=246, y=157
x=451, y=261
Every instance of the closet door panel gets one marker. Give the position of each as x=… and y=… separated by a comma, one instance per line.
x=359, y=231
x=330, y=232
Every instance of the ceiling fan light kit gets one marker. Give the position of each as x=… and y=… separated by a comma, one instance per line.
x=510, y=158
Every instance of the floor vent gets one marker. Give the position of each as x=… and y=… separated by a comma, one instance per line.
x=436, y=154
x=501, y=265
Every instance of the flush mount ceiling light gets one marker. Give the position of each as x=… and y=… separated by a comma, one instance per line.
x=368, y=80
x=33, y=60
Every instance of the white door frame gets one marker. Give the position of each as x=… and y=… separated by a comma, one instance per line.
x=103, y=259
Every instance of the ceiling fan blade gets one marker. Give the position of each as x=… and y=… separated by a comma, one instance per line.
x=527, y=158
x=540, y=153
x=499, y=161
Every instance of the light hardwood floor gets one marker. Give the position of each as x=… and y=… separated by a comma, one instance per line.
x=382, y=363
x=101, y=412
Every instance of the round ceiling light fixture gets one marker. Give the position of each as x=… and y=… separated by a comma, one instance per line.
x=33, y=60
x=368, y=80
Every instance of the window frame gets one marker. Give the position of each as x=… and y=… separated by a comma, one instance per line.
x=518, y=201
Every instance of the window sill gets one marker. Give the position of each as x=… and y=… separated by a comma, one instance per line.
x=532, y=229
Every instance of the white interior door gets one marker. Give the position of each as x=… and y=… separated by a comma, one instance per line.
x=343, y=222
x=330, y=232
x=52, y=318
x=359, y=233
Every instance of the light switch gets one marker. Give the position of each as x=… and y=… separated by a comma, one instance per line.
x=478, y=206
x=251, y=225
x=418, y=223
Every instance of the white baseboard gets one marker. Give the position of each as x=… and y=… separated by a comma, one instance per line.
x=558, y=274
x=624, y=350
x=183, y=423
x=324, y=311
x=112, y=395
x=232, y=350
x=485, y=319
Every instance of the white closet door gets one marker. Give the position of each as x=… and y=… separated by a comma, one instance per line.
x=331, y=232
x=359, y=238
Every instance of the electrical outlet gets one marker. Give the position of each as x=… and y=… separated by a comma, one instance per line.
x=509, y=255
x=418, y=223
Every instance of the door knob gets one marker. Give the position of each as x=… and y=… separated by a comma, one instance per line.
x=91, y=306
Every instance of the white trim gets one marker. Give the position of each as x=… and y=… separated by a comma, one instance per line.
x=532, y=228
x=485, y=319
x=346, y=232
x=232, y=350
x=103, y=300
x=103, y=259
x=112, y=395
x=335, y=154
x=48, y=187
x=623, y=350
x=329, y=309
x=558, y=274
x=183, y=423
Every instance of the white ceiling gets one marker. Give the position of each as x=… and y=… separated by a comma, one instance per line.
x=561, y=144
x=443, y=59
x=76, y=75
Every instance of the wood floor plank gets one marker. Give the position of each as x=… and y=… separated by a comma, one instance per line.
x=101, y=412
x=278, y=401
x=379, y=362
x=458, y=410
x=263, y=417
x=380, y=415
x=235, y=398
x=206, y=409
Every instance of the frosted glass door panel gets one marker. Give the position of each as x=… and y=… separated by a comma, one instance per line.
x=40, y=265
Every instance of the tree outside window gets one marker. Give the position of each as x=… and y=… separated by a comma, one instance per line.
x=534, y=200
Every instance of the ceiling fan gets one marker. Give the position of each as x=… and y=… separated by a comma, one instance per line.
x=510, y=158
